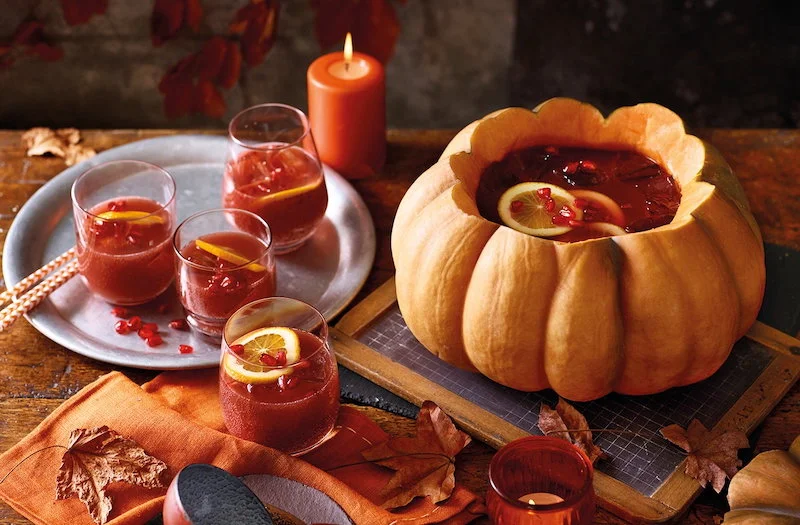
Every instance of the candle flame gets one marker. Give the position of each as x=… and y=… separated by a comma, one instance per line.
x=348, y=48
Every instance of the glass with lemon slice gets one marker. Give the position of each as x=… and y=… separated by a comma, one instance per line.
x=124, y=216
x=224, y=260
x=274, y=171
x=279, y=385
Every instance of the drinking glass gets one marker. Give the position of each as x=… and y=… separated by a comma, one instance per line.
x=274, y=171
x=268, y=396
x=223, y=260
x=540, y=480
x=124, y=215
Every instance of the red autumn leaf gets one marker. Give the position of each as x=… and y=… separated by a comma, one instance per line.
x=710, y=457
x=425, y=464
x=211, y=58
x=46, y=52
x=231, y=66
x=565, y=422
x=98, y=457
x=257, y=23
x=194, y=14
x=208, y=100
x=78, y=12
x=166, y=20
x=28, y=33
x=373, y=24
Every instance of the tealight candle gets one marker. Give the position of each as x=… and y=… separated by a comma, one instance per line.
x=347, y=111
x=540, y=480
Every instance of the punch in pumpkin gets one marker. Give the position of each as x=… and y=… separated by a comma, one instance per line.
x=555, y=248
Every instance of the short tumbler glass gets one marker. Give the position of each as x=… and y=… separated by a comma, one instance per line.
x=278, y=381
x=124, y=215
x=223, y=260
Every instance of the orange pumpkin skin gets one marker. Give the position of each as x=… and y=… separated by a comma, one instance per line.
x=635, y=314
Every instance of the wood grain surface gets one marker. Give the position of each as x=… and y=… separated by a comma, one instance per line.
x=36, y=375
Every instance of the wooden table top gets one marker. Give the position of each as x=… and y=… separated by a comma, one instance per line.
x=38, y=374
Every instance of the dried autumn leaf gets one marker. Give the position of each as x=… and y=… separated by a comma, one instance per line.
x=208, y=100
x=257, y=23
x=565, y=422
x=231, y=66
x=373, y=24
x=97, y=457
x=425, y=463
x=78, y=12
x=710, y=458
x=211, y=58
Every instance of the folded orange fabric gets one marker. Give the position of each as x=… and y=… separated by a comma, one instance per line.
x=175, y=422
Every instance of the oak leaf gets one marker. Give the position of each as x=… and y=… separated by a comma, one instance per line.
x=78, y=12
x=567, y=423
x=424, y=465
x=97, y=457
x=711, y=458
x=373, y=24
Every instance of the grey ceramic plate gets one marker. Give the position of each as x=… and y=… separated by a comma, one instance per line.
x=327, y=271
x=302, y=501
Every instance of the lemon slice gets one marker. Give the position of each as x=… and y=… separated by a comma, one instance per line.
x=522, y=208
x=284, y=194
x=226, y=254
x=271, y=340
x=606, y=228
x=139, y=217
x=615, y=213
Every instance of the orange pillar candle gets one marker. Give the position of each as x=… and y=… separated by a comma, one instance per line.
x=347, y=111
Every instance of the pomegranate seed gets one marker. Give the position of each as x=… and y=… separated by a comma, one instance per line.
x=282, y=382
x=145, y=334
x=559, y=220
x=291, y=382
x=119, y=311
x=153, y=327
x=581, y=203
x=135, y=322
x=575, y=223
x=133, y=237
x=162, y=308
x=543, y=193
x=122, y=327
x=571, y=168
x=179, y=324
x=301, y=365
x=516, y=206
x=237, y=349
x=567, y=212
x=154, y=340
x=268, y=360
x=550, y=205
x=551, y=150
x=185, y=349
x=117, y=205
x=588, y=165
x=280, y=357
x=626, y=206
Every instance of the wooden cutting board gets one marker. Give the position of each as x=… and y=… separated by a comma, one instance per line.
x=643, y=478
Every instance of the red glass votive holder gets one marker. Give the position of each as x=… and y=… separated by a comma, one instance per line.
x=543, y=468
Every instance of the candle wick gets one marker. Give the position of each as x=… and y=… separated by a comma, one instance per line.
x=347, y=65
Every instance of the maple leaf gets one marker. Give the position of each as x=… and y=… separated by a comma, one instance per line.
x=257, y=24
x=710, y=457
x=99, y=456
x=78, y=12
x=425, y=463
x=373, y=24
x=565, y=422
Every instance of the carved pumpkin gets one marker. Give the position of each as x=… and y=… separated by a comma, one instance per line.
x=635, y=314
x=767, y=491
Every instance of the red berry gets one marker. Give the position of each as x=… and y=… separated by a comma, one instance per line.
x=280, y=357
x=581, y=203
x=543, y=193
x=550, y=205
x=153, y=327
x=571, y=168
x=179, y=324
x=237, y=349
x=588, y=165
x=268, y=360
x=122, y=327
x=135, y=322
x=154, y=340
x=144, y=333
x=516, y=206
x=119, y=311
x=185, y=349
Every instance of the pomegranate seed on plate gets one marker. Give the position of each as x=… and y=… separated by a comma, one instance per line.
x=119, y=311
x=179, y=324
x=135, y=322
x=144, y=333
x=122, y=327
x=185, y=349
x=154, y=340
x=153, y=327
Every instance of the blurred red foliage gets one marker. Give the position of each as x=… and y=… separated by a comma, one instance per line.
x=29, y=39
x=170, y=16
x=257, y=26
x=78, y=12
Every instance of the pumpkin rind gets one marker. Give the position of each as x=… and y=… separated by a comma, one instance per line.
x=635, y=314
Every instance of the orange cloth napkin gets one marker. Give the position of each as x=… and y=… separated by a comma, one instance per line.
x=176, y=418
